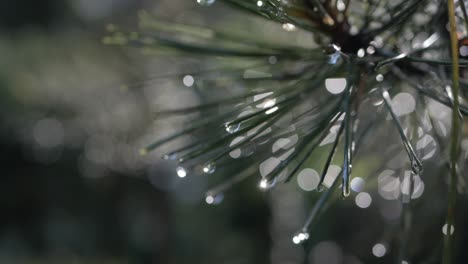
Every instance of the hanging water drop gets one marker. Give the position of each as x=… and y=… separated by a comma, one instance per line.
x=232, y=128
x=214, y=199
x=206, y=2
x=181, y=172
x=300, y=238
x=346, y=190
x=209, y=168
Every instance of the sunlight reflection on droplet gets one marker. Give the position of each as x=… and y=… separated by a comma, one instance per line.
x=300, y=238
x=209, y=168
x=181, y=172
x=206, y=2
x=363, y=200
x=379, y=250
x=214, y=199
x=259, y=3
x=308, y=179
x=335, y=85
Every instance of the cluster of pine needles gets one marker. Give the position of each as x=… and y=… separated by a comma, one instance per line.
x=367, y=45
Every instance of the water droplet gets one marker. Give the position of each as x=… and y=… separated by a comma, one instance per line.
x=265, y=184
x=209, y=168
x=346, y=190
x=334, y=57
x=300, y=238
x=232, y=128
x=181, y=172
x=206, y=2
x=170, y=156
x=259, y=3
x=214, y=199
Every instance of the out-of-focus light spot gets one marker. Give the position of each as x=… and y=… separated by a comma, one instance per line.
x=403, y=104
x=285, y=143
x=340, y=5
x=370, y=50
x=388, y=185
x=361, y=53
x=308, y=179
x=445, y=227
x=289, y=27
x=188, y=80
x=327, y=252
x=268, y=166
x=357, y=184
x=48, y=133
x=331, y=175
x=363, y=200
x=236, y=153
x=379, y=250
x=464, y=51
x=181, y=172
x=379, y=78
x=427, y=146
x=335, y=85
x=272, y=60
x=259, y=3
